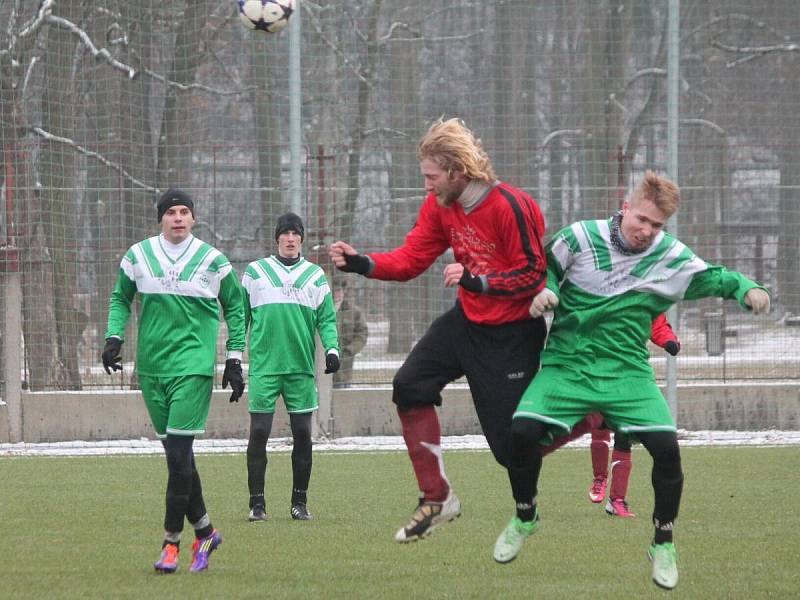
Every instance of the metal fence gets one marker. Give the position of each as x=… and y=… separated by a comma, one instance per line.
x=106, y=103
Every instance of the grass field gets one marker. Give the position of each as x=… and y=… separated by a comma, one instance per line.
x=91, y=528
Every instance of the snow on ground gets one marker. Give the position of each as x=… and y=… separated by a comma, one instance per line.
x=766, y=438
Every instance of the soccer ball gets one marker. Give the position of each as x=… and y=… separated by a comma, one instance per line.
x=269, y=16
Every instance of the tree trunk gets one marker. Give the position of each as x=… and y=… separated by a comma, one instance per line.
x=57, y=168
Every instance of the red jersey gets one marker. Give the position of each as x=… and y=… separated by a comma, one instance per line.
x=499, y=238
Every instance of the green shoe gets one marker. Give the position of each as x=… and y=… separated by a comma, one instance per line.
x=510, y=541
x=665, y=564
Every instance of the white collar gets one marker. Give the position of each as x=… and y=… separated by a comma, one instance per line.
x=174, y=251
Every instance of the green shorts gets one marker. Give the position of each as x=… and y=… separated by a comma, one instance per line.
x=560, y=397
x=177, y=405
x=299, y=393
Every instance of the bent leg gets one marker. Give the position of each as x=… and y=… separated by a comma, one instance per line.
x=621, y=466
x=526, y=464
x=417, y=387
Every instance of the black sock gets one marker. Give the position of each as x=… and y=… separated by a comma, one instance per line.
x=204, y=531
x=301, y=456
x=525, y=511
x=299, y=496
x=260, y=427
x=179, y=482
x=662, y=537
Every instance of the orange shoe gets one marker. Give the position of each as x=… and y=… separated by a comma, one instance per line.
x=168, y=563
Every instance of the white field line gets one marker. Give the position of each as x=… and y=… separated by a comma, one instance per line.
x=143, y=446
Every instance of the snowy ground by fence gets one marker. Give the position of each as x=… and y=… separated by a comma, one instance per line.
x=368, y=444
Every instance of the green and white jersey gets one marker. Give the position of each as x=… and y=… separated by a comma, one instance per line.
x=608, y=299
x=284, y=308
x=179, y=320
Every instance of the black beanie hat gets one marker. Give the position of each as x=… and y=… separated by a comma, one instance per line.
x=289, y=222
x=173, y=197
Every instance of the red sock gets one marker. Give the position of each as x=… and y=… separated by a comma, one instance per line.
x=601, y=438
x=621, y=466
x=422, y=435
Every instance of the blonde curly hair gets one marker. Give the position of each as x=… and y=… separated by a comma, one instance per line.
x=452, y=146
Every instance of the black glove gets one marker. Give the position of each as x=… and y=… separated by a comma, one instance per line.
x=112, y=359
x=470, y=282
x=672, y=347
x=331, y=363
x=233, y=375
x=355, y=263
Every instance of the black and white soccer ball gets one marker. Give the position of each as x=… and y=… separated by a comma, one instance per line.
x=270, y=16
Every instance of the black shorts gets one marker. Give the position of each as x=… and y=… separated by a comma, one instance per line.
x=499, y=362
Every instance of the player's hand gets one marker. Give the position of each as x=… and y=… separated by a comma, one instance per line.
x=233, y=375
x=672, y=347
x=456, y=274
x=347, y=259
x=542, y=302
x=332, y=363
x=452, y=274
x=758, y=300
x=112, y=357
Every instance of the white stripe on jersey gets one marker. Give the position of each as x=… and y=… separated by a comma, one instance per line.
x=203, y=284
x=659, y=279
x=263, y=291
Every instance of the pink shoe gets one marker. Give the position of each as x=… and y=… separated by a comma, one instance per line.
x=598, y=490
x=618, y=507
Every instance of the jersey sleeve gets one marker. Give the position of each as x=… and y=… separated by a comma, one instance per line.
x=119, y=304
x=230, y=297
x=422, y=246
x=521, y=227
x=561, y=253
x=661, y=331
x=250, y=275
x=717, y=281
x=326, y=317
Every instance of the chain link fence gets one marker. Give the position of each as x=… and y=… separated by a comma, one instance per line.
x=107, y=103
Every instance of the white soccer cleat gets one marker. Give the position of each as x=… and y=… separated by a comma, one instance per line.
x=429, y=516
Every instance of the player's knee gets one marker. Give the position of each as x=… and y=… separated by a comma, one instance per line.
x=301, y=428
x=663, y=447
x=526, y=432
x=260, y=426
x=622, y=443
x=408, y=390
x=179, y=461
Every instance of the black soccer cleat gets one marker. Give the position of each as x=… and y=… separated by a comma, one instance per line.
x=257, y=513
x=300, y=512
